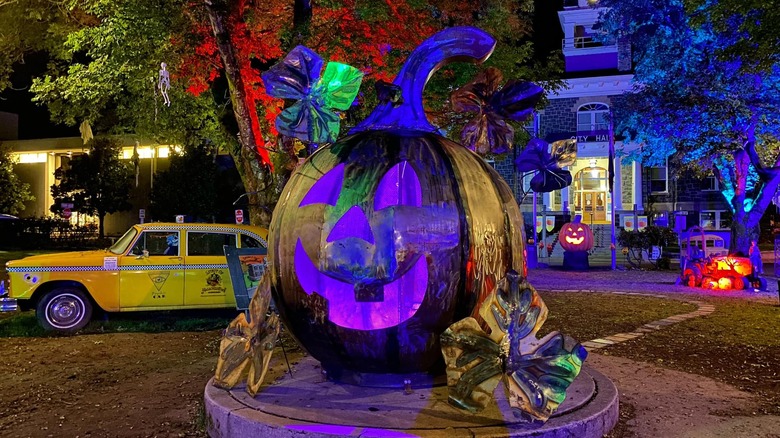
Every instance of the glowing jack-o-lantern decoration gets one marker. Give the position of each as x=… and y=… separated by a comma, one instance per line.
x=576, y=236
x=383, y=239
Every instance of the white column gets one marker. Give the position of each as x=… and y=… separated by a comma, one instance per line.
x=48, y=181
x=565, y=198
x=547, y=200
x=617, y=191
x=638, y=185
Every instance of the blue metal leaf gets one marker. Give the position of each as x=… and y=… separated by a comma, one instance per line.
x=293, y=77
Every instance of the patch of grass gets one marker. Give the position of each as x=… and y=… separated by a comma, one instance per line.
x=24, y=324
x=586, y=316
x=20, y=324
x=739, y=344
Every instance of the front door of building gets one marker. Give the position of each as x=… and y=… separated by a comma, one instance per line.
x=591, y=194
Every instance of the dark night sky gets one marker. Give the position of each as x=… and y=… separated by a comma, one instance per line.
x=34, y=120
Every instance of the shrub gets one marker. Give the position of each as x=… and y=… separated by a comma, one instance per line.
x=48, y=233
x=638, y=243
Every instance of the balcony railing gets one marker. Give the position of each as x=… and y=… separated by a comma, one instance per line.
x=567, y=4
x=587, y=42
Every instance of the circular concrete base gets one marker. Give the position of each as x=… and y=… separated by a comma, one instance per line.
x=309, y=405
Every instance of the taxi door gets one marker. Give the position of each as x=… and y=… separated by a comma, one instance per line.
x=206, y=276
x=151, y=274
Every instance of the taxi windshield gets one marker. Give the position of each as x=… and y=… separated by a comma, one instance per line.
x=121, y=245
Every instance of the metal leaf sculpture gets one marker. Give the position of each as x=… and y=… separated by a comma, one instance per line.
x=247, y=345
x=493, y=104
x=311, y=118
x=548, y=161
x=536, y=372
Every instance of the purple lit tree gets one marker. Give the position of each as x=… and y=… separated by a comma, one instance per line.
x=705, y=112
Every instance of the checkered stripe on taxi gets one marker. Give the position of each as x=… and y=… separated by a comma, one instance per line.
x=55, y=268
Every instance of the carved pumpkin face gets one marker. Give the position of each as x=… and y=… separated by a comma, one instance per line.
x=365, y=268
x=576, y=236
x=380, y=241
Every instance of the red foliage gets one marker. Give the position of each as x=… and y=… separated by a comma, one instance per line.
x=374, y=38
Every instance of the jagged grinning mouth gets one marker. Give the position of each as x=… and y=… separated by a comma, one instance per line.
x=402, y=297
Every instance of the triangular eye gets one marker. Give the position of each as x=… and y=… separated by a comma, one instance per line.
x=327, y=189
x=579, y=229
x=399, y=186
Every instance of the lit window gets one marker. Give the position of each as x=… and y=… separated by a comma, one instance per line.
x=27, y=158
x=715, y=219
x=143, y=152
x=707, y=220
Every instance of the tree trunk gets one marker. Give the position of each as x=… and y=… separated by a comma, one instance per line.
x=253, y=166
x=744, y=230
x=748, y=208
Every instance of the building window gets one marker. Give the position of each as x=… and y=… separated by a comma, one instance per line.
x=592, y=117
x=532, y=125
x=32, y=157
x=659, y=179
x=710, y=184
x=715, y=219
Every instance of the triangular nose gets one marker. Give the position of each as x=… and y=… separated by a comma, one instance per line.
x=352, y=224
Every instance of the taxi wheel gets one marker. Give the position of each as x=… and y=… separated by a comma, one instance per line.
x=65, y=309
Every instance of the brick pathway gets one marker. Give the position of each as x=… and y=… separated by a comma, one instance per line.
x=703, y=309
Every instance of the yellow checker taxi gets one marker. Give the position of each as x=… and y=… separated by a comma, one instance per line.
x=156, y=266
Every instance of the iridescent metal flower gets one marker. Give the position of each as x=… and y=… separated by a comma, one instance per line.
x=536, y=372
x=493, y=104
x=299, y=76
x=548, y=161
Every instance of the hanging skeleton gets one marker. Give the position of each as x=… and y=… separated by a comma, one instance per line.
x=164, y=83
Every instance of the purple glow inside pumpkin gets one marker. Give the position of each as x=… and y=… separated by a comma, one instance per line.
x=399, y=186
x=327, y=189
x=358, y=300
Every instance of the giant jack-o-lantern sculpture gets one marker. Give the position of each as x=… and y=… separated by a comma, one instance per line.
x=383, y=239
x=395, y=244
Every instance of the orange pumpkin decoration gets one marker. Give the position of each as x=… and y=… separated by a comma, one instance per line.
x=576, y=236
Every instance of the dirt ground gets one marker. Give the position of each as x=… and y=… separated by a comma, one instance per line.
x=112, y=385
x=152, y=386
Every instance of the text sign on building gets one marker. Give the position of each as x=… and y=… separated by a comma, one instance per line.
x=592, y=136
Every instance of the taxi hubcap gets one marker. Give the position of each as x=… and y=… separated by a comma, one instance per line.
x=65, y=311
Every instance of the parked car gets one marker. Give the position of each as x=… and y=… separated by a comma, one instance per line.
x=156, y=266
